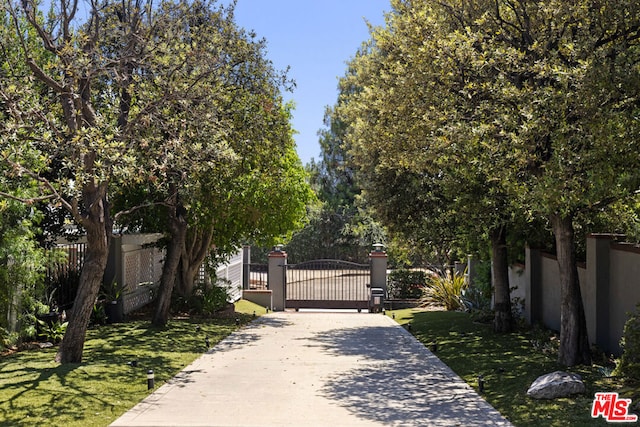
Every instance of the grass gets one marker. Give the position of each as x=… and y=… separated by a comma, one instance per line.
x=34, y=390
x=509, y=363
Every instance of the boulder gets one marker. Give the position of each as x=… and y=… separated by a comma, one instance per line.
x=556, y=384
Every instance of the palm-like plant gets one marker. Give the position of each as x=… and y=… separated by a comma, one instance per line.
x=445, y=289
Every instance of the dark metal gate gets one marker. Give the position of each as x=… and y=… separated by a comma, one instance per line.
x=328, y=284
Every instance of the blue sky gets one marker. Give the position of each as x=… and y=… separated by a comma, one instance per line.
x=315, y=38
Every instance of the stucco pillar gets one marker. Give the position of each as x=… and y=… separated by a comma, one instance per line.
x=378, y=262
x=246, y=267
x=472, y=263
x=276, y=278
x=533, y=286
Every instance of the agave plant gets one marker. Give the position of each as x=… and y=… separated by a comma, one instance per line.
x=445, y=289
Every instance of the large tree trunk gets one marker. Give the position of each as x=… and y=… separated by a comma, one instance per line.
x=178, y=231
x=503, y=320
x=98, y=226
x=574, y=342
x=197, y=248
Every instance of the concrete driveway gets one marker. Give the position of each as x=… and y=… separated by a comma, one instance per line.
x=316, y=369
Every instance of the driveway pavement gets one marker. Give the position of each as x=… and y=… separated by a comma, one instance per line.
x=316, y=369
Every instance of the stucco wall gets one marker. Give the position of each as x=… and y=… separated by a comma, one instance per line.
x=609, y=283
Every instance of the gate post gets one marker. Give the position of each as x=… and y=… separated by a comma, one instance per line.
x=276, y=278
x=246, y=266
x=378, y=261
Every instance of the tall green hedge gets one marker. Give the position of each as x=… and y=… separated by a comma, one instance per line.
x=629, y=365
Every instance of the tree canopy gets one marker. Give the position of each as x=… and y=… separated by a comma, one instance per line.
x=169, y=105
x=491, y=111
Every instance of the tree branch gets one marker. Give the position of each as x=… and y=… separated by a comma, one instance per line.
x=139, y=207
x=28, y=200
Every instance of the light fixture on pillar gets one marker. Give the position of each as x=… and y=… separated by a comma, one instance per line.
x=278, y=247
x=378, y=247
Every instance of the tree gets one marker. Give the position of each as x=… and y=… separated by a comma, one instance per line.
x=423, y=138
x=58, y=130
x=339, y=227
x=22, y=262
x=225, y=168
x=570, y=81
x=536, y=99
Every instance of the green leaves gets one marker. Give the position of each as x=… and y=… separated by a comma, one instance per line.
x=510, y=109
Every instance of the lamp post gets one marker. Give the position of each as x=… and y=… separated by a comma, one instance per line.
x=150, y=379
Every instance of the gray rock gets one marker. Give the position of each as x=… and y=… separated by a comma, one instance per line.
x=556, y=384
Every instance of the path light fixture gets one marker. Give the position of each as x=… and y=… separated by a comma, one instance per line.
x=480, y=383
x=237, y=321
x=207, y=342
x=150, y=379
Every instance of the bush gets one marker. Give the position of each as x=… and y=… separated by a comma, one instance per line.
x=406, y=284
x=5, y=338
x=629, y=365
x=205, y=300
x=52, y=331
x=214, y=299
x=482, y=280
x=445, y=289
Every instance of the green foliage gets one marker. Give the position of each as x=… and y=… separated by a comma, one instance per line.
x=339, y=226
x=334, y=233
x=98, y=315
x=111, y=292
x=482, y=280
x=214, y=299
x=206, y=300
x=629, y=364
x=468, y=117
x=509, y=363
x=445, y=289
x=36, y=391
x=5, y=338
x=22, y=262
x=406, y=284
x=52, y=331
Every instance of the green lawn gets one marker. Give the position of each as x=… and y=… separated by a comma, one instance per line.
x=509, y=364
x=34, y=390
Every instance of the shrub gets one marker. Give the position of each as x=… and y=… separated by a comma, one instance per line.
x=4, y=337
x=445, y=289
x=406, y=284
x=482, y=280
x=214, y=299
x=629, y=365
x=52, y=331
x=205, y=300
